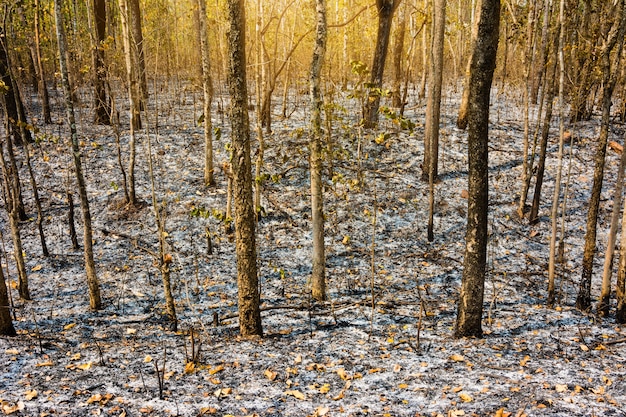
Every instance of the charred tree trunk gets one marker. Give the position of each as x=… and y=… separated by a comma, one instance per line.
x=470, y=305
x=385, y=18
x=245, y=235
x=102, y=105
x=318, y=277
x=95, y=301
x=207, y=87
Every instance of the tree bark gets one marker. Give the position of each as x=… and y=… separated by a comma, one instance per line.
x=207, y=86
x=247, y=279
x=615, y=38
x=95, y=301
x=13, y=99
x=385, y=17
x=133, y=98
x=398, y=59
x=102, y=107
x=470, y=304
x=137, y=36
x=557, y=182
x=6, y=323
x=318, y=277
x=433, y=109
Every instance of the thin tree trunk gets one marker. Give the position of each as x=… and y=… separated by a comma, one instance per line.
x=470, y=305
x=95, y=301
x=433, y=109
x=605, y=294
x=557, y=181
x=207, y=86
x=247, y=279
x=616, y=38
x=6, y=323
x=385, y=18
x=528, y=64
x=398, y=59
x=102, y=108
x=12, y=204
x=461, y=121
x=620, y=288
x=543, y=146
x=318, y=277
x=133, y=98
x=137, y=37
x=542, y=65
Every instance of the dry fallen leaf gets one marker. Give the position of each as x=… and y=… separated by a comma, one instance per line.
x=147, y=359
x=29, y=395
x=466, y=398
x=69, y=326
x=296, y=394
x=215, y=370
x=12, y=351
x=46, y=363
x=190, y=367
x=343, y=374
x=321, y=411
x=560, y=387
x=84, y=366
x=502, y=413
x=457, y=358
x=269, y=374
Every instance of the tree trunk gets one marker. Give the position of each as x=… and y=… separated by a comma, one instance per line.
x=12, y=97
x=318, y=277
x=90, y=268
x=12, y=207
x=616, y=38
x=557, y=182
x=6, y=323
x=102, y=107
x=398, y=59
x=461, y=120
x=620, y=288
x=207, y=86
x=433, y=109
x=605, y=295
x=543, y=146
x=470, y=305
x=247, y=279
x=133, y=98
x=385, y=17
x=137, y=36
x=541, y=66
x=528, y=64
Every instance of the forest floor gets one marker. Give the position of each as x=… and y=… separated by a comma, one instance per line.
x=341, y=358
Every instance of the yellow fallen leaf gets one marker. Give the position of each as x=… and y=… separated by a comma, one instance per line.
x=269, y=374
x=215, y=381
x=345, y=240
x=10, y=409
x=466, y=398
x=584, y=348
x=12, y=352
x=147, y=359
x=324, y=388
x=131, y=331
x=84, y=366
x=457, y=389
x=296, y=394
x=502, y=413
x=560, y=387
x=343, y=374
x=598, y=391
x=168, y=375
x=29, y=395
x=339, y=396
x=524, y=361
x=37, y=268
x=222, y=392
x=215, y=370
x=397, y=368
x=298, y=359
x=46, y=363
x=321, y=411
x=190, y=367
x=94, y=399
x=403, y=386
x=457, y=358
